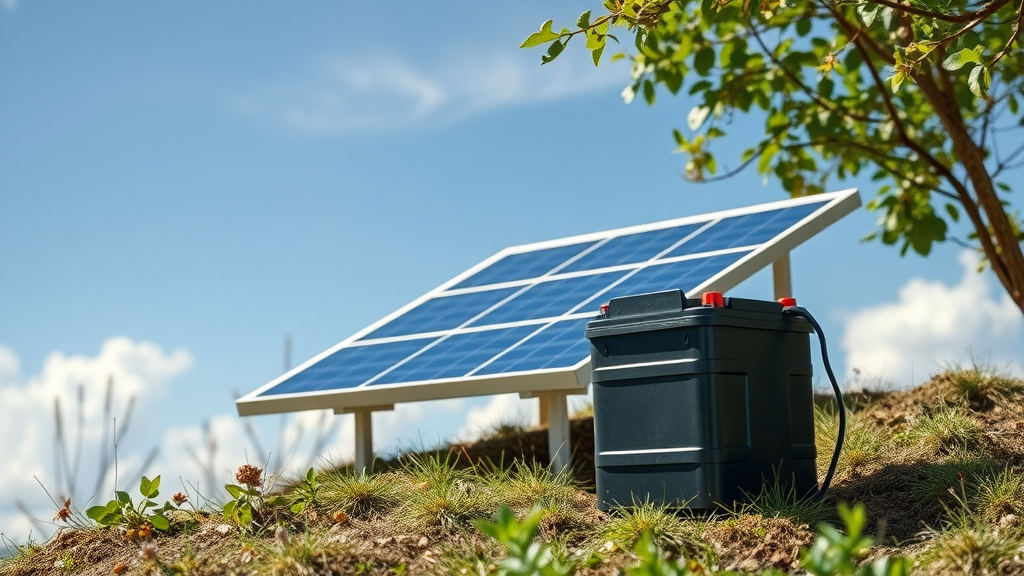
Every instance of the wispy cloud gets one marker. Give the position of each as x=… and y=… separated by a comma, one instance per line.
x=932, y=325
x=356, y=95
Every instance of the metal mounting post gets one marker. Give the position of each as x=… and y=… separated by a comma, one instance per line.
x=558, y=429
x=782, y=277
x=364, y=433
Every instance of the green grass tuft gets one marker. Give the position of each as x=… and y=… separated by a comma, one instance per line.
x=946, y=428
x=664, y=526
x=778, y=499
x=359, y=495
x=863, y=446
x=438, y=494
x=981, y=380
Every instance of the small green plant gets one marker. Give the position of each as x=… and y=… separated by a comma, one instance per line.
x=439, y=494
x=360, y=494
x=654, y=563
x=661, y=524
x=122, y=511
x=838, y=554
x=364, y=567
x=863, y=446
x=399, y=569
x=250, y=501
x=304, y=553
x=305, y=494
x=778, y=499
x=524, y=556
x=67, y=562
x=979, y=380
x=948, y=428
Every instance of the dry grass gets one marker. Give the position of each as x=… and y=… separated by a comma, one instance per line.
x=664, y=526
x=358, y=494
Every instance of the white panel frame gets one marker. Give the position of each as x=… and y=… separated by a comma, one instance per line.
x=838, y=205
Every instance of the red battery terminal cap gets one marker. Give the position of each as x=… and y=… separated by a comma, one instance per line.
x=604, y=309
x=787, y=301
x=713, y=299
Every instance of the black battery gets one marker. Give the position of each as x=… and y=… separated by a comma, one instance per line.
x=697, y=402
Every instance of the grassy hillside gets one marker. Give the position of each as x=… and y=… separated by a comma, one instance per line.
x=938, y=469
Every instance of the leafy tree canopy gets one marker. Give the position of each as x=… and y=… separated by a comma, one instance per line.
x=925, y=95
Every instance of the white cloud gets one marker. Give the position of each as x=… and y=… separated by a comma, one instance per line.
x=353, y=95
x=9, y=4
x=932, y=325
x=79, y=383
x=504, y=408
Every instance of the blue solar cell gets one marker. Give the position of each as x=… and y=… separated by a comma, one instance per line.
x=746, y=230
x=522, y=266
x=456, y=356
x=547, y=299
x=443, y=313
x=349, y=367
x=560, y=345
x=632, y=248
x=685, y=275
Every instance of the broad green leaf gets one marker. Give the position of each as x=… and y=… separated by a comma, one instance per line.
x=868, y=12
x=245, y=514
x=957, y=60
x=311, y=475
x=229, y=509
x=96, y=512
x=538, y=38
x=144, y=486
x=1012, y=103
x=803, y=26
x=649, y=94
x=953, y=212
x=595, y=54
x=160, y=523
x=554, y=50
x=583, y=22
x=978, y=81
x=124, y=498
x=703, y=60
x=235, y=491
x=707, y=8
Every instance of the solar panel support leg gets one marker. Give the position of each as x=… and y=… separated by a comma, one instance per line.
x=782, y=277
x=543, y=418
x=558, y=429
x=364, y=439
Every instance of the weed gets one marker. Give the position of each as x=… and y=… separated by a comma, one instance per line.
x=122, y=511
x=666, y=529
x=999, y=494
x=972, y=549
x=299, y=553
x=835, y=553
x=525, y=485
x=948, y=428
x=980, y=380
x=251, y=503
x=525, y=557
x=778, y=499
x=305, y=492
x=438, y=494
x=654, y=563
x=67, y=562
x=15, y=553
x=863, y=445
x=940, y=482
x=359, y=494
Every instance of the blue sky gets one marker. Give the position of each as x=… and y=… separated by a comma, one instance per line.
x=183, y=184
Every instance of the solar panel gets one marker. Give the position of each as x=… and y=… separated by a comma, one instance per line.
x=515, y=322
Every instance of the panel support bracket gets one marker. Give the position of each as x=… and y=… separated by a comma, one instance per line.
x=364, y=433
x=554, y=408
x=782, y=277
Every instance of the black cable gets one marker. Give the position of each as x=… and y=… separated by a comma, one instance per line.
x=800, y=311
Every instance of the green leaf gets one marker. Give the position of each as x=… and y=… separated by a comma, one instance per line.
x=96, y=512
x=1012, y=103
x=596, y=54
x=978, y=81
x=897, y=79
x=868, y=12
x=554, y=50
x=235, y=491
x=583, y=22
x=244, y=514
x=707, y=8
x=957, y=60
x=803, y=26
x=538, y=38
x=649, y=92
x=953, y=212
x=144, y=486
x=229, y=509
x=123, y=498
x=160, y=523
x=277, y=501
x=311, y=475
x=703, y=60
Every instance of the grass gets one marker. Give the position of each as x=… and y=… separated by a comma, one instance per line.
x=940, y=483
x=439, y=494
x=778, y=499
x=358, y=494
x=664, y=526
x=863, y=446
x=979, y=381
x=946, y=428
